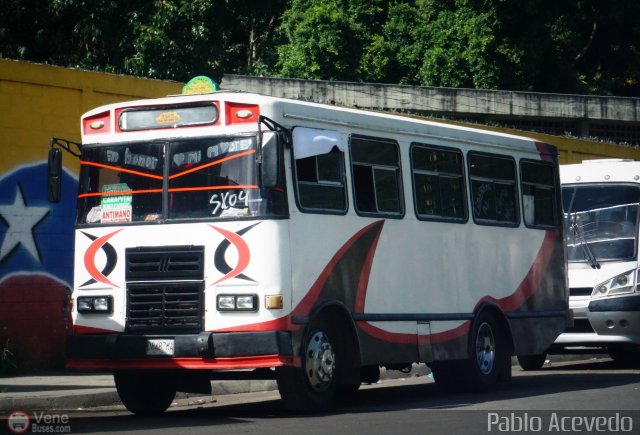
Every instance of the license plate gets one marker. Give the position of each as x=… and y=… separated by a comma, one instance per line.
x=160, y=346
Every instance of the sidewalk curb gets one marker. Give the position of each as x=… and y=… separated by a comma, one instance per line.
x=60, y=402
x=109, y=396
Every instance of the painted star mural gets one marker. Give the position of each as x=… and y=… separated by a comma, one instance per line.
x=35, y=235
x=21, y=222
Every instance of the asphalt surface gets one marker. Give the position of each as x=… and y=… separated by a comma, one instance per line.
x=79, y=390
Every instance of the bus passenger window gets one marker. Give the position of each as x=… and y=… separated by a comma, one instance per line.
x=320, y=182
x=493, y=189
x=438, y=183
x=376, y=177
x=538, y=194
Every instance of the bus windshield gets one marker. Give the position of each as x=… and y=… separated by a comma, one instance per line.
x=601, y=222
x=205, y=178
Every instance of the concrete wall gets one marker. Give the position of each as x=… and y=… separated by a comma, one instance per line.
x=443, y=100
x=580, y=115
x=36, y=103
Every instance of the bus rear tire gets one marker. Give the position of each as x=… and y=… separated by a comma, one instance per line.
x=313, y=386
x=532, y=362
x=489, y=355
x=144, y=393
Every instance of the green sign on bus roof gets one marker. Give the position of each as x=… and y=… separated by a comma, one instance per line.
x=200, y=85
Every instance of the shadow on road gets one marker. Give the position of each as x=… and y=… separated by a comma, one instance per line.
x=572, y=378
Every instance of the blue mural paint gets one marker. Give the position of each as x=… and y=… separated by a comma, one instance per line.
x=36, y=236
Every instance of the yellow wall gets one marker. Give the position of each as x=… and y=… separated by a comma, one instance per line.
x=36, y=237
x=40, y=101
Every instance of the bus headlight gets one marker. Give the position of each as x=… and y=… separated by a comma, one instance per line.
x=95, y=304
x=621, y=284
x=237, y=302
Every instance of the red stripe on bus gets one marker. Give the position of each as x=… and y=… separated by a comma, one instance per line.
x=123, y=192
x=523, y=292
x=81, y=329
x=171, y=190
x=305, y=305
x=404, y=338
x=215, y=162
x=545, y=152
x=510, y=303
x=231, y=363
x=120, y=169
x=531, y=281
x=193, y=189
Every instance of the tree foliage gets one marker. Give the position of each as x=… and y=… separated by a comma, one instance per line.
x=571, y=46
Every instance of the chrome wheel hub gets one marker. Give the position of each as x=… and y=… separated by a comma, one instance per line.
x=320, y=362
x=485, y=348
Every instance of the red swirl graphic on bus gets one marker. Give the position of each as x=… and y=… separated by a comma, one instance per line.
x=244, y=255
x=90, y=258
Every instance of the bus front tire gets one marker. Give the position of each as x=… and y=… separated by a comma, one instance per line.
x=144, y=393
x=312, y=387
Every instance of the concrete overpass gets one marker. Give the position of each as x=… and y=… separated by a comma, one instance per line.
x=597, y=118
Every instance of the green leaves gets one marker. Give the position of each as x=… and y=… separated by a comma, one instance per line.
x=572, y=46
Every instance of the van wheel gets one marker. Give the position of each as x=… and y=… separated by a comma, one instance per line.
x=312, y=387
x=532, y=362
x=144, y=393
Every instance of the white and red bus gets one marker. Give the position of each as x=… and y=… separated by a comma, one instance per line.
x=232, y=234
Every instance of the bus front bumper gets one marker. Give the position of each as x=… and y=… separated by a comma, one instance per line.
x=206, y=350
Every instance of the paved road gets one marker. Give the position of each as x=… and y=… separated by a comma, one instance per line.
x=569, y=397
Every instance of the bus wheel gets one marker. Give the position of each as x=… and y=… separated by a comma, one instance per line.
x=487, y=353
x=532, y=362
x=144, y=393
x=312, y=387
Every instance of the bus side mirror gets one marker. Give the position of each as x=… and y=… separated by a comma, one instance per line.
x=54, y=178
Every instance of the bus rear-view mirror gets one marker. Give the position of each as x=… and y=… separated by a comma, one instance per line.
x=54, y=177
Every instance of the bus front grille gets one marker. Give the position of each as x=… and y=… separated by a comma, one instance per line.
x=165, y=263
x=166, y=307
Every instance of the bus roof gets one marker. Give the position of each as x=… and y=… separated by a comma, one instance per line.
x=601, y=171
x=291, y=112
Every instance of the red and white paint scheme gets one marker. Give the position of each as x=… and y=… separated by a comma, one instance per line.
x=226, y=231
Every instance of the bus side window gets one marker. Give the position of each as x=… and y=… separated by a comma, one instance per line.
x=320, y=182
x=538, y=194
x=438, y=183
x=375, y=165
x=493, y=189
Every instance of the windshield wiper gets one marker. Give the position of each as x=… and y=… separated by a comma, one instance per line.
x=591, y=259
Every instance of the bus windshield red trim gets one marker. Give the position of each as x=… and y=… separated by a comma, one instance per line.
x=215, y=162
